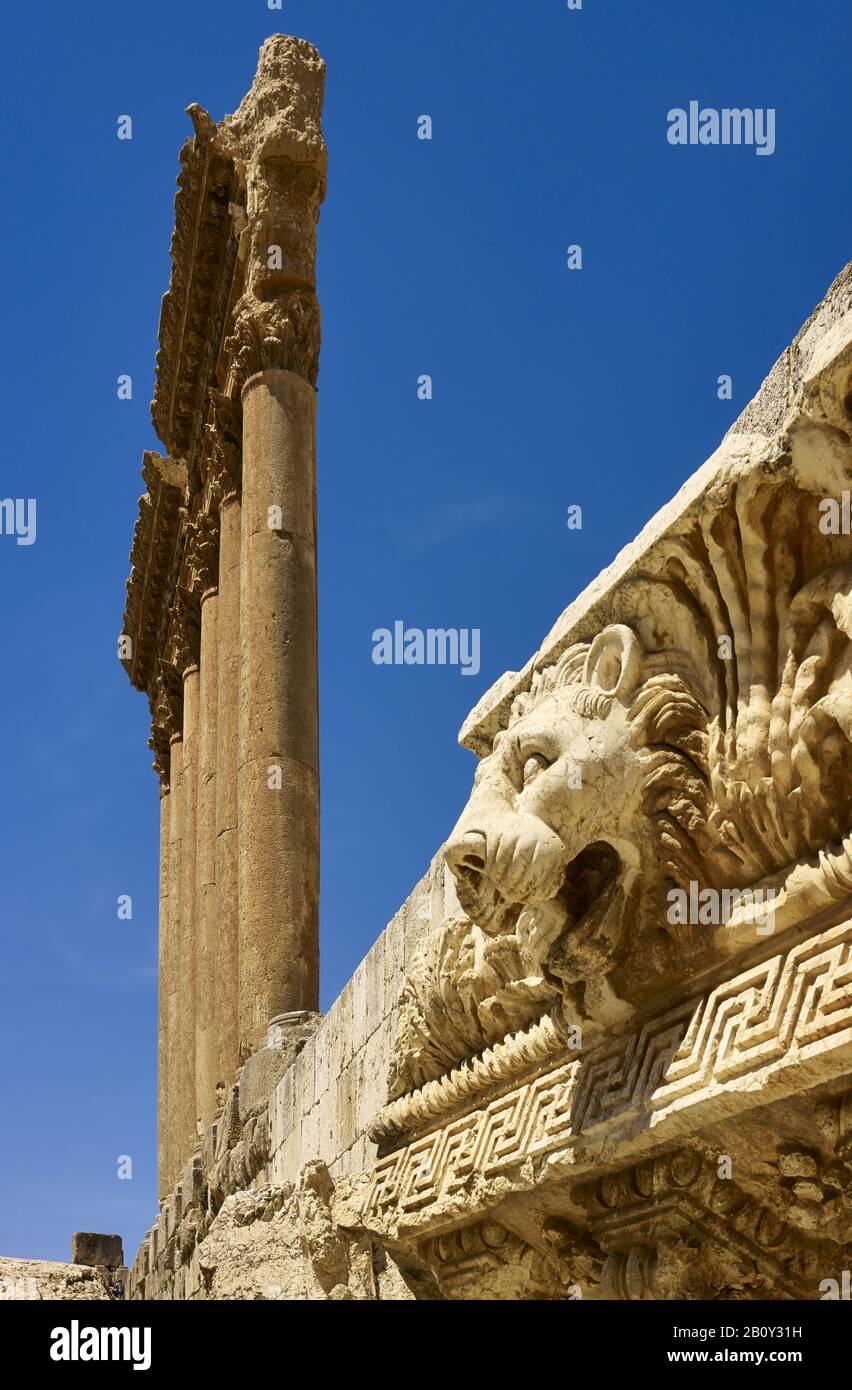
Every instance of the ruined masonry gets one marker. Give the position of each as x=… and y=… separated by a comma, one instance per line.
x=604, y=1051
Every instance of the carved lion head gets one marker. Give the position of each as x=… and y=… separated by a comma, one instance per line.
x=706, y=740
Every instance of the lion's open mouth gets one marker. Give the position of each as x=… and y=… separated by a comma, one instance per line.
x=593, y=895
x=589, y=885
x=587, y=879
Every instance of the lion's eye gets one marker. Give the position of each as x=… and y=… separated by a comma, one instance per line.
x=533, y=766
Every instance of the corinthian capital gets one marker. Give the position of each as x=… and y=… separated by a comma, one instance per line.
x=166, y=718
x=184, y=640
x=283, y=332
x=225, y=431
x=203, y=552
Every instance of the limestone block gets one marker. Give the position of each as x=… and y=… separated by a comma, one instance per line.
x=308, y=1091
x=286, y=1242
x=328, y=1136
x=286, y=1161
x=210, y=1144
x=371, y=1089
x=342, y=1013
x=282, y=1111
x=340, y=1026
x=359, y=1006
x=260, y=1076
x=230, y=1125
x=321, y=1058
x=416, y=914
x=191, y=1182
x=310, y=1133
x=192, y=1277
x=172, y=1211
x=360, y=1158
x=394, y=940
x=92, y=1248
x=346, y=1090
x=375, y=964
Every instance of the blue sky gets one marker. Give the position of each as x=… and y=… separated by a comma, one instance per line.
x=551, y=388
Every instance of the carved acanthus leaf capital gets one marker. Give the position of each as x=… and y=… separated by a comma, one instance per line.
x=184, y=641
x=203, y=552
x=279, y=333
x=225, y=435
x=166, y=717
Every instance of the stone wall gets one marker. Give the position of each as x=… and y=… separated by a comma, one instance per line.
x=54, y=1281
x=323, y=1105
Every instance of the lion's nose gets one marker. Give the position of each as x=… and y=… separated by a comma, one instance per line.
x=465, y=854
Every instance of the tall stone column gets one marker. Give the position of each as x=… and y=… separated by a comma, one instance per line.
x=227, y=429
x=185, y=645
x=275, y=346
x=175, y=992
x=165, y=1023
x=166, y=710
x=187, y=964
x=279, y=757
x=205, y=558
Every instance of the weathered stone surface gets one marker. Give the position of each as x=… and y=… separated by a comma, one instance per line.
x=605, y=1048
x=92, y=1248
x=654, y=924
x=288, y=1242
x=262, y=1072
x=44, y=1279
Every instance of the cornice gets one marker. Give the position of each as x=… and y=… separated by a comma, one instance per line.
x=191, y=319
x=151, y=563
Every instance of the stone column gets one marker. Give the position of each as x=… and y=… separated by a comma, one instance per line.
x=228, y=449
x=175, y=992
x=165, y=969
x=187, y=964
x=275, y=353
x=166, y=710
x=279, y=754
x=206, y=1059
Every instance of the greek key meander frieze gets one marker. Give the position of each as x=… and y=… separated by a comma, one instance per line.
x=747, y=1041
